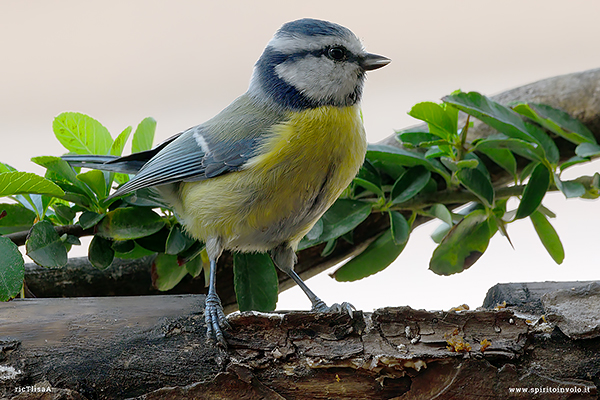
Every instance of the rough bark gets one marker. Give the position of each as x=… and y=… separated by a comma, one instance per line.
x=153, y=347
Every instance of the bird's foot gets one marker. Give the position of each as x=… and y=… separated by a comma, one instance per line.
x=320, y=306
x=215, y=319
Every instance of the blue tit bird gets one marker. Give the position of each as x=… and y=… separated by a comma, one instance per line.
x=258, y=176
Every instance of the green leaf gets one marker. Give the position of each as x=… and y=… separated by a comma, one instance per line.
x=329, y=247
x=551, y=152
x=556, y=121
x=470, y=164
x=119, y=144
x=95, y=181
x=166, y=272
x=45, y=247
x=532, y=151
x=440, y=232
x=376, y=257
x=440, y=124
x=504, y=158
x=255, y=281
x=477, y=183
x=177, y=240
x=452, y=113
x=87, y=219
x=12, y=269
x=101, y=253
x=32, y=202
x=548, y=236
x=343, y=216
x=402, y=157
x=195, y=266
x=572, y=161
x=123, y=246
x=6, y=168
x=116, y=150
x=399, y=227
x=368, y=177
x=587, y=150
x=463, y=245
x=63, y=171
x=410, y=184
x=82, y=134
x=144, y=135
x=571, y=189
x=70, y=240
x=499, y=117
x=129, y=223
x=65, y=212
x=156, y=242
x=391, y=169
x=455, y=166
x=534, y=191
x=370, y=186
x=441, y=211
x=316, y=231
x=17, y=219
x=526, y=171
x=417, y=138
x=196, y=249
x=593, y=192
x=12, y=183
x=137, y=252
x=436, y=151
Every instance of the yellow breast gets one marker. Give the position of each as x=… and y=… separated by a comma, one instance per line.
x=302, y=168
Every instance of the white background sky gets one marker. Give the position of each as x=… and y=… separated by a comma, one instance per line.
x=183, y=61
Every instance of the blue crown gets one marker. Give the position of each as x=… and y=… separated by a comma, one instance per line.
x=313, y=27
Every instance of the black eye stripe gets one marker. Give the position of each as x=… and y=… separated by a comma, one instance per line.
x=348, y=55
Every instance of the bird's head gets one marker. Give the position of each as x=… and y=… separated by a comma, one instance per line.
x=311, y=63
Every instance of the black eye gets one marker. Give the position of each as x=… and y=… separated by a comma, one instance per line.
x=337, y=53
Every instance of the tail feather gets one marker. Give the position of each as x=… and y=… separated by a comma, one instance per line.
x=105, y=163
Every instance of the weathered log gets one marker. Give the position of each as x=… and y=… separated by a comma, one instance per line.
x=153, y=347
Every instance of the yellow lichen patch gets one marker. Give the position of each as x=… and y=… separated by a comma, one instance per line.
x=462, y=307
x=484, y=344
x=500, y=306
x=457, y=343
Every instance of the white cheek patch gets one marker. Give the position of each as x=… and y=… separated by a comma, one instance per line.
x=320, y=78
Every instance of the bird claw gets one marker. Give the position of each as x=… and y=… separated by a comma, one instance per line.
x=348, y=308
x=215, y=319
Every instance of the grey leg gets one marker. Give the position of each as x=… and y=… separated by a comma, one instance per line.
x=285, y=258
x=214, y=316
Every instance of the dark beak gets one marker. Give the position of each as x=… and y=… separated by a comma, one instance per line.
x=372, y=61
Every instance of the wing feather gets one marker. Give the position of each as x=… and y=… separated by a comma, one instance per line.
x=221, y=145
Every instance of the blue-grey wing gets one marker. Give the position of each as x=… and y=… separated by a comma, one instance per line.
x=221, y=145
x=192, y=156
